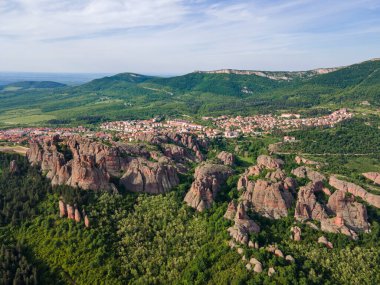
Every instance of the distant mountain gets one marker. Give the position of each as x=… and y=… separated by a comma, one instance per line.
x=23, y=85
x=130, y=95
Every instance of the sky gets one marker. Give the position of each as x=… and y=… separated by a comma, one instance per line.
x=177, y=36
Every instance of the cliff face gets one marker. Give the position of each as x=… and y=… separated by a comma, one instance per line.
x=83, y=163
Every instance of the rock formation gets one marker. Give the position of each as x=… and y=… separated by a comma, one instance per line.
x=243, y=226
x=348, y=212
x=307, y=206
x=355, y=190
x=227, y=158
x=62, y=209
x=323, y=240
x=231, y=211
x=149, y=177
x=269, y=162
x=302, y=160
x=296, y=233
x=270, y=199
x=13, y=168
x=307, y=172
x=209, y=179
x=80, y=162
x=374, y=176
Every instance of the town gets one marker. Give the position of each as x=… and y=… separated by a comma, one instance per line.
x=223, y=126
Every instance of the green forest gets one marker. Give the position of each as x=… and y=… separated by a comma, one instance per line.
x=145, y=239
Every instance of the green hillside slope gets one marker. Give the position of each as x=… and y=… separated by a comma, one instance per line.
x=130, y=95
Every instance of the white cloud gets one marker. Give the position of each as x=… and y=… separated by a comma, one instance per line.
x=166, y=36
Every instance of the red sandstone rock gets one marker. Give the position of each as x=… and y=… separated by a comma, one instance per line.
x=13, y=168
x=243, y=226
x=231, y=211
x=307, y=206
x=355, y=190
x=62, y=209
x=348, y=212
x=86, y=221
x=70, y=212
x=149, y=177
x=269, y=199
x=77, y=216
x=227, y=158
x=296, y=233
x=307, y=172
x=374, y=176
x=269, y=162
x=208, y=181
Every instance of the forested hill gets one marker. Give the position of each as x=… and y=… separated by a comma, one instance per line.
x=130, y=95
x=23, y=85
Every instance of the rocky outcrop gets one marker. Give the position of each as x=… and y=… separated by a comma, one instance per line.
x=348, y=212
x=307, y=206
x=72, y=213
x=270, y=199
x=276, y=175
x=323, y=240
x=269, y=162
x=209, y=179
x=257, y=266
x=373, y=176
x=13, y=167
x=149, y=177
x=302, y=160
x=226, y=158
x=307, y=172
x=296, y=233
x=231, y=211
x=336, y=225
x=62, y=209
x=80, y=162
x=189, y=141
x=355, y=190
x=243, y=226
x=245, y=183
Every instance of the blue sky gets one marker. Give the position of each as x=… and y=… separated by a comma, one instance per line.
x=178, y=36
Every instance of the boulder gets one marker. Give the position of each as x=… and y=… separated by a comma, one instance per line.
x=323, y=240
x=296, y=233
x=290, y=258
x=277, y=175
x=278, y=253
x=209, y=179
x=271, y=271
x=258, y=268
